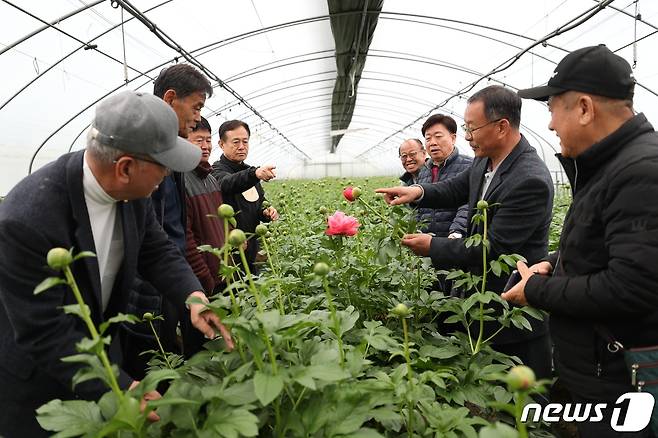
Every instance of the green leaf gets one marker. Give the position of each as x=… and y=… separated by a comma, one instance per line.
x=128, y=412
x=75, y=309
x=233, y=423
x=271, y=320
x=444, y=352
x=47, y=284
x=498, y=430
x=452, y=319
x=70, y=418
x=304, y=378
x=454, y=274
x=83, y=254
x=153, y=404
x=495, y=267
x=267, y=387
x=153, y=378
x=330, y=372
x=535, y=313
x=240, y=394
x=362, y=433
x=121, y=317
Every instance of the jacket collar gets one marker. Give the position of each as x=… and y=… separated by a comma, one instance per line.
x=203, y=169
x=521, y=147
x=452, y=157
x=597, y=155
x=234, y=166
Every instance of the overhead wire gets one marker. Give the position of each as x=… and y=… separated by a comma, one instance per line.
x=167, y=40
x=571, y=24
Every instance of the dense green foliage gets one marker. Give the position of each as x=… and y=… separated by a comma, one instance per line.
x=352, y=347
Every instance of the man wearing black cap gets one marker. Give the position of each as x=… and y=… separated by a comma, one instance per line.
x=601, y=287
x=90, y=200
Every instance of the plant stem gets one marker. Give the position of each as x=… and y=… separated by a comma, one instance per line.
x=518, y=410
x=234, y=302
x=410, y=407
x=84, y=310
x=335, y=320
x=478, y=344
x=278, y=286
x=259, y=308
x=157, y=338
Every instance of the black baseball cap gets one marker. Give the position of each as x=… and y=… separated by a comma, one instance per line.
x=595, y=70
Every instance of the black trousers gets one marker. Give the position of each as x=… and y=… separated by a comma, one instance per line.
x=535, y=353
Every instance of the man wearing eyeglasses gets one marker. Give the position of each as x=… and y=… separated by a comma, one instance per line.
x=412, y=156
x=508, y=173
x=91, y=200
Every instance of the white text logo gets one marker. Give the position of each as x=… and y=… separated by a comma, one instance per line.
x=636, y=406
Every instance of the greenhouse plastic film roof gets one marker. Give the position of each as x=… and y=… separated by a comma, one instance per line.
x=274, y=64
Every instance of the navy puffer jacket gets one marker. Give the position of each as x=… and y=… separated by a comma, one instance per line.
x=443, y=221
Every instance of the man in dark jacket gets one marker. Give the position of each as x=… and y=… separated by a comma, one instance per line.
x=93, y=200
x=203, y=197
x=445, y=162
x=184, y=89
x=506, y=171
x=604, y=282
x=240, y=183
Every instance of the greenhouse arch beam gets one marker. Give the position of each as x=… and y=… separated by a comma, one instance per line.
x=170, y=42
x=571, y=24
x=47, y=25
x=68, y=55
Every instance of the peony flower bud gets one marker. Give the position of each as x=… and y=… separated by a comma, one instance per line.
x=58, y=258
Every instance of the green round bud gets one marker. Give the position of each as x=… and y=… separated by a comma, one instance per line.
x=521, y=378
x=261, y=229
x=482, y=204
x=148, y=316
x=356, y=192
x=225, y=211
x=323, y=210
x=266, y=204
x=58, y=258
x=236, y=237
x=401, y=310
x=321, y=269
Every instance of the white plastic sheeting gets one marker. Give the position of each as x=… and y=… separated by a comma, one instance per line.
x=279, y=56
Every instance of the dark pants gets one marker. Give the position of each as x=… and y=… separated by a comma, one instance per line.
x=535, y=353
x=19, y=401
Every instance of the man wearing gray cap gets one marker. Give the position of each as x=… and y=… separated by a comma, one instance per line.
x=91, y=200
x=601, y=287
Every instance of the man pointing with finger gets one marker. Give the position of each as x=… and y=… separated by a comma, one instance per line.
x=240, y=183
x=510, y=176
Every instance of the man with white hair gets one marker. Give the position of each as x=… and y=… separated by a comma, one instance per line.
x=91, y=200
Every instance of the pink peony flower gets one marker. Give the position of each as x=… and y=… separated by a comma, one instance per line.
x=339, y=224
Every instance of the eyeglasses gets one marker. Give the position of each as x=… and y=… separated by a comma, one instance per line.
x=411, y=155
x=469, y=131
x=146, y=159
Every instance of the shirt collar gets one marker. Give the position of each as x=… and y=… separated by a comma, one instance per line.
x=92, y=189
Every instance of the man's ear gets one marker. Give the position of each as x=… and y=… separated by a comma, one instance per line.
x=122, y=169
x=586, y=110
x=169, y=96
